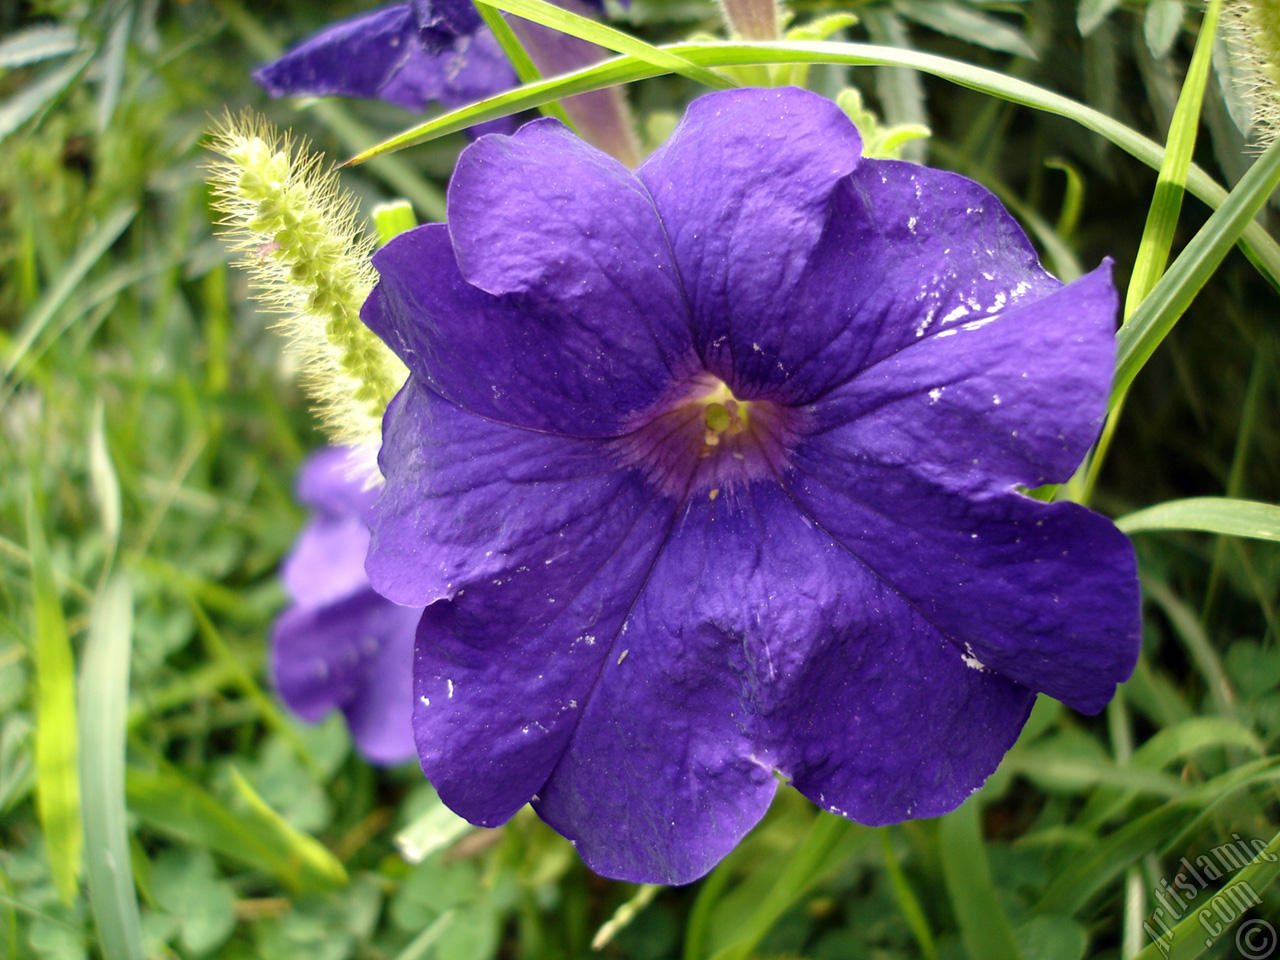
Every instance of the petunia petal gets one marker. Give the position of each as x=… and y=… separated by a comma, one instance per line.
x=356, y=57
x=758, y=642
x=575, y=375
x=569, y=232
x=1016, y=397
x=1044, y=594
x=352, y=654
x=906, y=251
x=743, y=188
x=468, y=501
x=326, y=563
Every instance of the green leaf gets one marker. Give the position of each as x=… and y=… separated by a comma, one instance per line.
x=965, y=23
x=605, y=36
x=1169, y=299
x=1091, y=13
x=1237, y=518
x=187, y=886
x=104, y=694
x=34, y=97
x=984, y=926
x=256, y=836
x=1161, y=24
x=824, y=846
x=90, y=252
x=1162, y=216
x=1187, y=940
x=1186, y=624
x=103, y=481
x=57, y=779
x=521, y=62
x=392, y=219
x=1101, y=863
x=35, y=44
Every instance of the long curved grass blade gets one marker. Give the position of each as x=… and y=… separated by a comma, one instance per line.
x=558, y=18
x=90, y=252
x=1237, y=518
x=984, y=926
x=1103, y=861
x=1169, y=299
x=104, y=692
x=1260, y=246
x=57, y=778
x=257, y=837
x=824, y=845
x=1162, y=216
x=521, y=62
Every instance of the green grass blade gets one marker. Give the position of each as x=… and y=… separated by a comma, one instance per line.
x=57, y=779
x=908, y=902
x=1260, y=246
x=523, y=64
x=1187, y=939
x=1162, y=216
x=984, y=926
x=90, y=252
x=557, y=18
x=1237, y=518
x=258, y=837
x=104, y=482
x=1169, y=299
x=825, y=844
x=967, y=24
x=104, y=697
x=1102, y=862
x=1186, y=624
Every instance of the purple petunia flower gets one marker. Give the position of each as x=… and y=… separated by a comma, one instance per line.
x=340, y=645
x=711, y=470
x=410, y=54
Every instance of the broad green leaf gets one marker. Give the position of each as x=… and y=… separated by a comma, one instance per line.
x=256, y=836
x=984, y=926
x=104, y=697
x=966, y=23
x=1261, y=248
x=57, y=777
x=1238, y=518
x=435, y=828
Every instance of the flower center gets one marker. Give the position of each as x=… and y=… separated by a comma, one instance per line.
x=702, y=439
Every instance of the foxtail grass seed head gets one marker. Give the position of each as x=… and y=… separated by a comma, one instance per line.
x=308, y=261
x=1252, y=31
